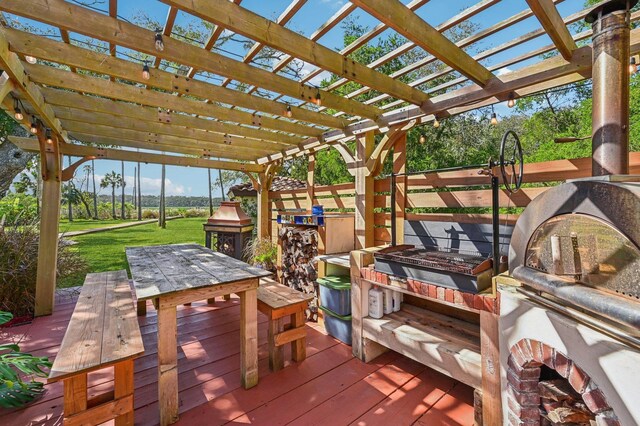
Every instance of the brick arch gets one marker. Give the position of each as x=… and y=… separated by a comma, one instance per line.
x=523, y=374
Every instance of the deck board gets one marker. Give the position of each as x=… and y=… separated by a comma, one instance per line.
x=329, y=387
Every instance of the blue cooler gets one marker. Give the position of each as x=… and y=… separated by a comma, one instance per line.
x=338, y=326
x=335, y=293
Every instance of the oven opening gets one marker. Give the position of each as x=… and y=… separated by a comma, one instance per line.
x=560, y=404
x=586, y=250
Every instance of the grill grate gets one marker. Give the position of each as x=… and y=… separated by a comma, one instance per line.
x=449, y=261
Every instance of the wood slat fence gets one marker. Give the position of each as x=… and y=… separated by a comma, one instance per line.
x=447, y=196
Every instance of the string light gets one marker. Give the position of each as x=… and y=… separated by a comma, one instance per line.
x=34, y=125
x=494, y=119
x=17, y=112
x=145, y=71
x=511, y=102
x=159, y=41
x=288, y=113
x=317, y=100
x=48, y=136
x=633, y=67
x=436, y=123
x=423, y=138
x=30, y=59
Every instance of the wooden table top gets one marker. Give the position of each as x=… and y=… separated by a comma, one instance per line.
x=167, y=269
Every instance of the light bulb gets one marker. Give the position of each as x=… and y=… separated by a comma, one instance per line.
x=18, y=114
x=288, y=113
x=494, y=118
x=511, y=102
x=159, y=42
x=423, y=139
x=145, y=72
x=318, y=99
x=48, y=135
x=436, y=123
x=633, y=67
x=34, y=126
x=30, y=59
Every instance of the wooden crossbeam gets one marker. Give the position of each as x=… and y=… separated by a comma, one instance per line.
x=31, y=145
x=79, y=19
x=51, y=50
x=404, y=21
x=63, y=98
x=10, y=63
x=553, y=24
x=249, y=24
x=50, y=76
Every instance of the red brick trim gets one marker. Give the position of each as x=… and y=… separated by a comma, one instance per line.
x=523, y=374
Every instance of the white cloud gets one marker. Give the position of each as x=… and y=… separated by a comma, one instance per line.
x=148, y=186
x=503, y=71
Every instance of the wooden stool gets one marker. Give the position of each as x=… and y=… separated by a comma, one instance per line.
x=278, y=301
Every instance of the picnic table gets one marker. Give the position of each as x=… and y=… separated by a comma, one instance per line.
x=177, y=274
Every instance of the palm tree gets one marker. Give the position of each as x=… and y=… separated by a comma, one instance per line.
x=210, y=197
x=139, y=195
x=122, y=200
x=95, y=195
x=114, y=180
x=162, y=220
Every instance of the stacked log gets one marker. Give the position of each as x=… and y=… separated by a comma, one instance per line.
x=299, y=264
x=561, y=405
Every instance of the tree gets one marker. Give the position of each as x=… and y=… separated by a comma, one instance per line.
x=162, y=220
x=114, y=180
x=139, y=195
x=122, y=199
x=95, y=194
x=13, y=159
x=227, y=178
x=210, y=195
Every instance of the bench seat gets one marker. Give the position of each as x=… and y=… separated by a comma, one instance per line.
x=278, y=301
x=103, y=332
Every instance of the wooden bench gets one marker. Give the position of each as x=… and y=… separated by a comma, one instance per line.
x=103, y=332
x=278, y=301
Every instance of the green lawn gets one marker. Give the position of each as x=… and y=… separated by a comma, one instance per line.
x=104, y=251
x=82, y=224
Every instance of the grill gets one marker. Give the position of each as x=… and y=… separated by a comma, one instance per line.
x=460, y=263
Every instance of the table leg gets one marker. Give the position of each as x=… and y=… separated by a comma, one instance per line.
x=298, y=347
x=167, y=365
x=249, y=337
x=142, y=308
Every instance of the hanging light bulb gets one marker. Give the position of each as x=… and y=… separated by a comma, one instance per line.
x=34, y=125
x=288, y=113
x=436, y=123
x=30, y=59
x=159, y=42
x=633, y=67
x=494, y=119
x=512, y=101
x=48, y=136
x=423, y=138
x=17, y=112
x=145, y=71
x=317, y=100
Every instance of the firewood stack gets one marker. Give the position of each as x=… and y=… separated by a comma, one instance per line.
x=299, y=250
x=561, y=405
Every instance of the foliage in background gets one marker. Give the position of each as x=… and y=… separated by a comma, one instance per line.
x=19, y=264
x=14, y=365
x=262, y=252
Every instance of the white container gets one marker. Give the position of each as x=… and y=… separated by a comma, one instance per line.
x=376, y=302
x=397, y=300
x=388, y=301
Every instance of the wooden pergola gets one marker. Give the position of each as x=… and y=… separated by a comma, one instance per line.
x=98, y=99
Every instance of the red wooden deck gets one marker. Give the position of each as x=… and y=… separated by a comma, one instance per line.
x=329, y=387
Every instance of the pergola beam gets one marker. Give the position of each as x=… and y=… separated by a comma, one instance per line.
x=31, y=145
x=249, y=24
x=553, y=24
x=397, y=16
x=93, y=24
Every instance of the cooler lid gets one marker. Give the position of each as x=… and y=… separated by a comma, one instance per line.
x=336, y=282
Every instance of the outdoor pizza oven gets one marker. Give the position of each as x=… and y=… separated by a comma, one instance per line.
x=580, y=242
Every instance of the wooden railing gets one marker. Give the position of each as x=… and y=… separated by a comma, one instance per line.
x=439, y=193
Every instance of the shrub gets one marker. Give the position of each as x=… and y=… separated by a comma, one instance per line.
x=19, y=264
x=262, y=252
x=14, y=391
x=19, y=209
x=149, y=214
x=196, y=213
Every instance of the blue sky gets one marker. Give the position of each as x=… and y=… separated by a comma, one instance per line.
x=192, y=181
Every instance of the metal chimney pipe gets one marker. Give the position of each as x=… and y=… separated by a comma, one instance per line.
x=610, y=134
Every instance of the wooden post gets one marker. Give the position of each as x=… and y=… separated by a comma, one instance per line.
x=276, y=353
x=123, y=387
x=491, y=389
x=310, y=181
x=399, y=166
x=299, y=346
x=364, y=192
x=249, y=338
x=264, y=214
x=167, y=365
x=48, y=247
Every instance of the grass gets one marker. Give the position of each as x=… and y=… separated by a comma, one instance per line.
x=82, y=224
x=104, y=251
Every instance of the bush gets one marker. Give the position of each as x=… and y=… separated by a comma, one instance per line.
x=19, y=209
x=149, y=214
x=263, y=253
x=195, y=213
x=19, y=264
